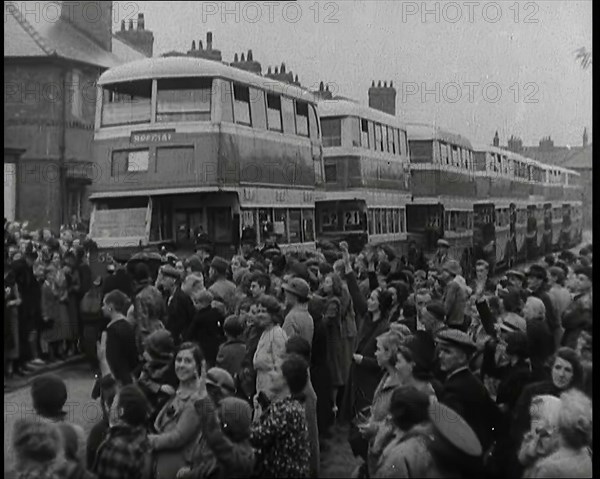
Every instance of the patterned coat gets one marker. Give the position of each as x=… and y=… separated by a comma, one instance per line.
x=281, y=440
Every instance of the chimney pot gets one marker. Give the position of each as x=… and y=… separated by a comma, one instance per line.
x=296, y=79
x=392, y=84
x=282, y=67
x=122, y=25
x=276, y=70
x=209, y=40
x=385, y=84
x=243, y=58
x=250, y=56
x=131, y=24
x=200, y=46
x=373, y=84
x=269, y=71
x=193, y=45
x=140, y=24
x=379, y=84
x=321, y=86
x=327, y=87
x=235, y=58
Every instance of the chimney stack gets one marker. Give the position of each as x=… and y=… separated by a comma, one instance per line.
x=140, y=25
x=383, y=98
x=209, y=40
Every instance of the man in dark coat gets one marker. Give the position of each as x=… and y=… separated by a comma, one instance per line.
x=181, y=309
x=537, y=279
x=206, y=328
x=462, y=391
x=26, y=282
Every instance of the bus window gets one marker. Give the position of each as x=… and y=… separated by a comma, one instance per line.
x=402, y=225
x=308, y=225
x=313, y=123
x=241, y=104
x=355, y=130
x=364, y=133
x=288, y=114
x=384, y=139
x=378, y=138
x=391, y=145
x=295, y=226
x=183, y=99
x=378, y=225
x=372, y=144
x=257, y=108
x=421, y=151
x=445, y=151
x=265, y=221
x=126, y=103
x=226, y=100
x=301, y=118
x=390, y=223
x=399, y=146
x=274, y=112
x=332, y=131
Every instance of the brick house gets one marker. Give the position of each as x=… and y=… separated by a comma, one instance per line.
x=53, y=55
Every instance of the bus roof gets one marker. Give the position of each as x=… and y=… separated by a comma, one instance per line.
x=426, y=131
x=343, y=107
x=185, y=67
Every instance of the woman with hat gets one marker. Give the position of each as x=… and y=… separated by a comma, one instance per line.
x=566, y=373
x=365, y=373
x=178, y=425
x=270, y=349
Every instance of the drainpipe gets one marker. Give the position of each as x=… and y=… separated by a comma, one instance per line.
x=62, y=193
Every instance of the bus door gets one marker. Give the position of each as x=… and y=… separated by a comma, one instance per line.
x=484, y=232
x=426, y=222
x=188, y=224
x=220, y=230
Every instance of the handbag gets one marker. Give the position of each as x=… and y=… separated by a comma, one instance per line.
x=358, y=443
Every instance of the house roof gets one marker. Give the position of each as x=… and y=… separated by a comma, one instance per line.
x=555, y=156
x=580, y=160
x=45, y=36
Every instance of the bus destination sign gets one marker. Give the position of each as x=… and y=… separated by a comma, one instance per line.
x=160, y=136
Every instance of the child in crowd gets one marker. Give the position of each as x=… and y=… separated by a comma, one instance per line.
x=232, y=352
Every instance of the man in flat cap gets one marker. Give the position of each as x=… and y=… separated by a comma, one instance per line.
x=578, y=315
x=462, y=391
x=298, y=322
x=441, y=255
x=455, y=296
x=221, y=287
x=537, y=282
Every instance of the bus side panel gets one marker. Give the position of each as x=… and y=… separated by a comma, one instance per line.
x=271, y=161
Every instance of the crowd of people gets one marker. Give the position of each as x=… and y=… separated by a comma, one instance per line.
x=46, y=276
x=244, y=368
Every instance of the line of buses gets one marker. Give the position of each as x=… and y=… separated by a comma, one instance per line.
x=190, y=147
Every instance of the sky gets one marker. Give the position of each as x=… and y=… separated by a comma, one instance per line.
x=472, y=67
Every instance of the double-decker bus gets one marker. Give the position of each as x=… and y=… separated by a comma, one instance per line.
x=443, y=191
x=366, y=170
x=189, y=147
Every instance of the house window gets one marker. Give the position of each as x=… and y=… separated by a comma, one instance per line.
x=241, y=105
x=76, y=94
x=274, y=112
